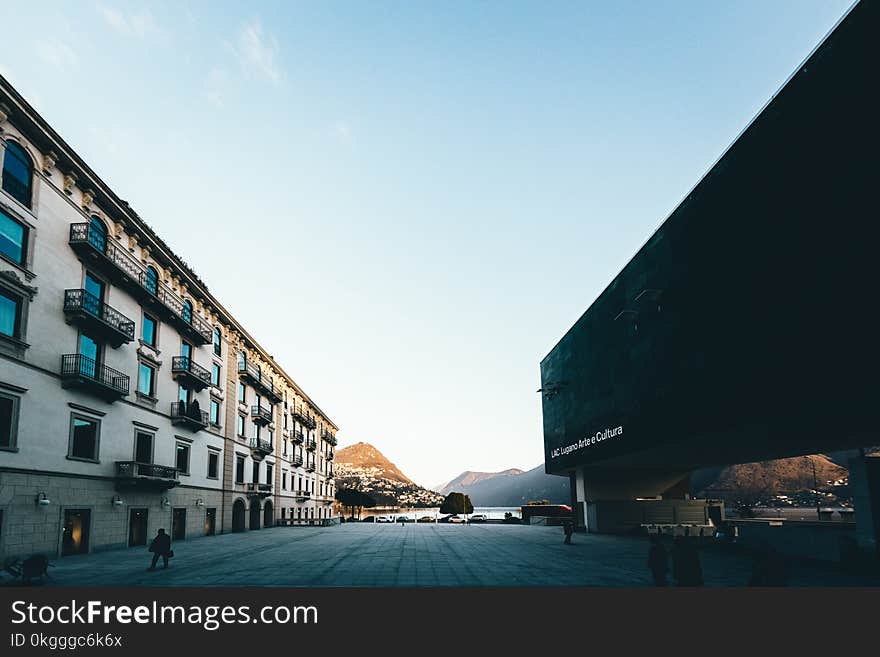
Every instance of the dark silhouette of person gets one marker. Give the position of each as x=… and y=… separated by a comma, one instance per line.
x=657, y=560
x=568, y=528
x=195, y=410
x=68, y=545
x=686, y=563
x=160, y=547
x=769, y=568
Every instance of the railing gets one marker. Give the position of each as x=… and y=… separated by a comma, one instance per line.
x=80, y=366
x=259, y=488
x=261, y=445
x=260, y=413
x=297, y=461
x=304, y=418
x=310, y=467
x=330, y=455
x=187, y=364
x=302, y=493
x=134, y=470
x=82, y=300
x=299, y=438
x=180, y=411
x=84, y=233
x=255, y=374
x=311, y=445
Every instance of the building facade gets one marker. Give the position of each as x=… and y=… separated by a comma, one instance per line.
x=130, y=399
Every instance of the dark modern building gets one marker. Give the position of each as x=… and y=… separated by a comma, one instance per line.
x=745, y=328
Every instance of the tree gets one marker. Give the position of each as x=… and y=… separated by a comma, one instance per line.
x=354, y=499
x=457, y=503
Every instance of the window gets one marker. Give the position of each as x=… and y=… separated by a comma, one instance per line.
x=239, y=469
x=84, y=436
x=146, y=380
x=143, y=447
x=98, y=234
x=284, y=452
x=187, y=313
x=8, y=421
x=213, y=464
x=256, y=432
x=151, y=281
x=241, y=425
x=241, y=360
x=10, y=314
x=149, y=330
x=284, y=415
x=271, y=438
x=13, y=239
x=218, y=343
x=215, y=413
x=17, y=173
x=284, y=481
x=242, y=393
x=269, y=470
x=256, y=472
x=182, y=459
x=215, y=374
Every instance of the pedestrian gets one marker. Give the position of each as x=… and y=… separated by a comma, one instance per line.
x=657, y=560
x=568, y=528
x=160, y=547
x=686, y=563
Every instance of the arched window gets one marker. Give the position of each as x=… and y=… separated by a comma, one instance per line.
x=98, y=234
x=217, y=341
x=18, y=173
x=152, y=280
x=187, y=311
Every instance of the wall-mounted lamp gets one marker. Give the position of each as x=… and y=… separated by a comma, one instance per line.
x=42, y=500
x=200, y=502
x=166, y=501
x=117, y=501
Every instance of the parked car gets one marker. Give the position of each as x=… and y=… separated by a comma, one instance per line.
x=369, y=519
x=479, y=517
x=427, y=519
x=383, y=519
x=454, y=517
x=403, y=519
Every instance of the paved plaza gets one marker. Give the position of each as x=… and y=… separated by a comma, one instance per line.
x=361, y=554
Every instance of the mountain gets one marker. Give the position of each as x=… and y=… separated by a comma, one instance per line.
x=511, y=487
x=469, y=478
x=766, y=479
x=363, y=467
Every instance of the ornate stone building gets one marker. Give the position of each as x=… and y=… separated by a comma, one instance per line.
x=130, y=399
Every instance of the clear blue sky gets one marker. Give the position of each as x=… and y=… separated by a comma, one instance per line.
x=447, y=185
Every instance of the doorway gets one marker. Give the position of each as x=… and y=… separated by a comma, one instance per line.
x=210, y=522
x=268, y=516
x=143, y=447
x=75, y=534
x=255, y=515
x=137, y=527
x=238, y=516
x=178, y=524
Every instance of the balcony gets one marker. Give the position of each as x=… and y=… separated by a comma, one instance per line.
x=79, y=371
x=310, y=467
x=311, y=445
x=189, y=374
x=302, y=495
x=261, y=415
x=330, y=438
x=330, y=474
x=302, y=416
x=298, y=437
x=330, y=455
x=148, y=476
x=122, y=268
x=88, y=312
x=260, y=448
x=191, y=417
x=297, y=461
x=259, y=490
x=252, y=374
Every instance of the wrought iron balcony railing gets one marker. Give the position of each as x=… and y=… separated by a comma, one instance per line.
x=310, y=467
x=190, y=416
x=122, y=267
x=148, y=475
x=298, y=437
x=330, y=455
x=89, y=311
x=253, y=374
x=311, y=445
x=302, y=493
x=189, y=374
x=261, y=445
x=304, y=418
x=297, y=461
x=263, y=490
x=78, y=370
x=261, y=415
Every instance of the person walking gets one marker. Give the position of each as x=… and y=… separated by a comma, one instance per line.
x=160, y=547
x=568, y=528
x=657, y=560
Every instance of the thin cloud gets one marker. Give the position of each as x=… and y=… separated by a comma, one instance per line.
x=137, y=24
x=257, y=51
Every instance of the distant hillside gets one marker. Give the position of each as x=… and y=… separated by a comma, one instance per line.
x=513, y=487
x=363, y=467
x=469, y=478
x=766, y=478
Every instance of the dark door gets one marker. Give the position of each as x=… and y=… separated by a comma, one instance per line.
x=210, y=522
x=95, y=295
x=255, y=514
x=137, y=527
x=178, y=524
x=90, y=359
x=238, y=516
x=75, y=536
